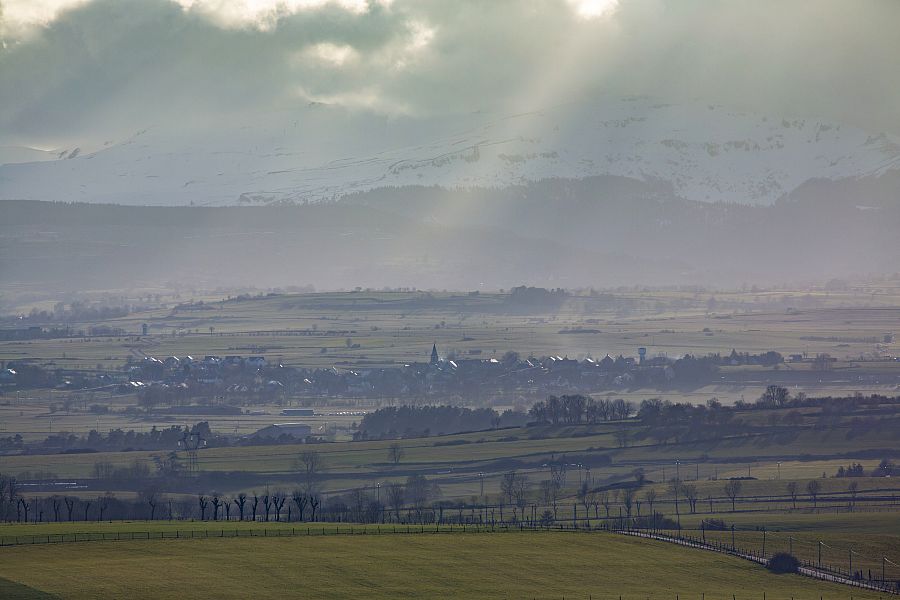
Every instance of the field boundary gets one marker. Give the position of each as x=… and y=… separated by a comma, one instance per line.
x=805, y=569
x=310, y=531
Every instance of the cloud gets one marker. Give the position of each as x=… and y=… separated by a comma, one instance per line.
x=592, y=9
x=72, y=69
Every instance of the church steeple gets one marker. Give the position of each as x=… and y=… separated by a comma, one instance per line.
x=434, y=355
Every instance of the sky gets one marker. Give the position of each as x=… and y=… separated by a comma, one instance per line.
x=76, y=70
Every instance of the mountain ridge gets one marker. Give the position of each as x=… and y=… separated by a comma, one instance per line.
x=707, y=153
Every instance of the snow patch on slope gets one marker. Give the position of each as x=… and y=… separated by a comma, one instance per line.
x=320, y=153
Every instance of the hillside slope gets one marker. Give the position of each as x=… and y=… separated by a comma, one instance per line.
x=321, y=153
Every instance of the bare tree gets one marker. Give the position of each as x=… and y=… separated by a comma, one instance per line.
x=605, y=501
x=547, y=491
x=278, y=499
x=508, y=485
x=792, y=491
x=267, y=505
x=203, y=502
x=102, y=505
x=310, y=462
x=25, y=506
x=395, y=453
x=588, y=498
x=628, y=500
x=812, y=488
x=254, y=504
x=87, y=507
x=301, y=501
x=56, y=507
x=151, y=501
x=240, y=501
x=675, y=487
x=395, y=498
x=313, y=505
x=3, y=485
x=650, y=496
x=216, y=504
x=690, y=494
x=8, y=499
x=520, y=492
x=419, y=490
x=733, y=490
x=853, y=488
x=70, y=506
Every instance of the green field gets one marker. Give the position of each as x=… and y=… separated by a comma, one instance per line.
x=507, y=565
x=346, y=465
x=868, y=536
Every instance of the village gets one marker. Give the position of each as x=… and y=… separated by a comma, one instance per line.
x=243, y=380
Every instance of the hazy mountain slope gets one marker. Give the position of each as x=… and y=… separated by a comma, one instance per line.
x=22, y=154
x=320, y=153
x=800, y=237
x=64, y=247
x=551, y=233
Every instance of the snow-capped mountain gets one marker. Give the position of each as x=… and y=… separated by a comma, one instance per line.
x=321, y=153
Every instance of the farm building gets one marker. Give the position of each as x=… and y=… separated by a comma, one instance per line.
x=297, y=412
x=276, y=430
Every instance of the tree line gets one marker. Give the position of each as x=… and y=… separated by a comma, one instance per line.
x=576, y=408
x=423, y=421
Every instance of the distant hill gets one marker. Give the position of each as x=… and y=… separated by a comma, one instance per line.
x=557, y=233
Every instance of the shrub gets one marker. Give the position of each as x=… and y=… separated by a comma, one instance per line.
x=657, y=521
x=715, y=525
x=783, y=563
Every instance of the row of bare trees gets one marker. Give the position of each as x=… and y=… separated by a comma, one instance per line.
x=257, y=507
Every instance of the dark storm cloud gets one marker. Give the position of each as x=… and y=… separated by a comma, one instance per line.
x=108, y=68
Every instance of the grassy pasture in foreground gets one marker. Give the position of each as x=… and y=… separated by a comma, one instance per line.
x=513, y=565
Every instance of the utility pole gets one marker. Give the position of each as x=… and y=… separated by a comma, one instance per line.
x=677, y=484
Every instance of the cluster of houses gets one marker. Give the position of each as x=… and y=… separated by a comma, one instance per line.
x=240, y=380
x=248, y=378
x=212, y=374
